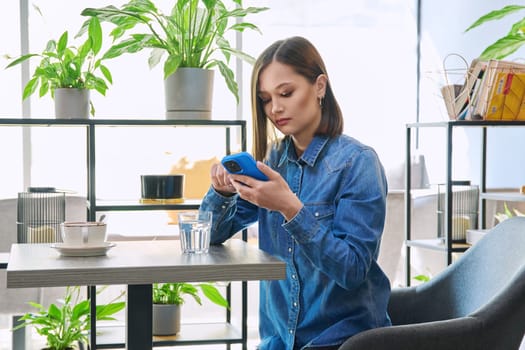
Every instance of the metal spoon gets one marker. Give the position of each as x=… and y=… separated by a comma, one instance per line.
x=102, y=218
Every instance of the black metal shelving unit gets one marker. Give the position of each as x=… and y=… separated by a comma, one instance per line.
x=449, y=247
x=196, y=334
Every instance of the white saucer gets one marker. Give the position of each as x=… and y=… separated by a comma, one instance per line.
x=84, y=250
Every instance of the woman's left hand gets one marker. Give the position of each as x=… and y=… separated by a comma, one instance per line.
x=273, y=194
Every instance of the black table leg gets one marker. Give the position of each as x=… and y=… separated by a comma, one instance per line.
x=139, y=317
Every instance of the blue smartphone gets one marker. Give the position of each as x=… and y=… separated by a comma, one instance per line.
x=243, y=164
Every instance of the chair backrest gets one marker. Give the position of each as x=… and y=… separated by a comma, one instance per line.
x=76, y=210
x=7, y=223
x=14, y=301
x=483, y=272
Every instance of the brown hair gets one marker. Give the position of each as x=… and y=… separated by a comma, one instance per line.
x=300, y=54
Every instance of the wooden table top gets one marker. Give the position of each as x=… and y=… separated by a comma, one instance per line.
x=140, y=262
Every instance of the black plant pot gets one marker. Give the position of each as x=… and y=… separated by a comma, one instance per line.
x=162, y=187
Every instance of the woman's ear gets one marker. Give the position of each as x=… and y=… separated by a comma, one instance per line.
x=320, y=83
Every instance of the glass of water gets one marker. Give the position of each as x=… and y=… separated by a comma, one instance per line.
x=194, y=230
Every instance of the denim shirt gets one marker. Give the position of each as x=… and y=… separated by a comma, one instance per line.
x=334, y=287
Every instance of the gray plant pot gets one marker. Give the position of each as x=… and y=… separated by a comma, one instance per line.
x=166, y=319
x=189, y=94
x=71, y=103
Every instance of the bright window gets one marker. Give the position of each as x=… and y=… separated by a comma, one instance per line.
x=375, y=88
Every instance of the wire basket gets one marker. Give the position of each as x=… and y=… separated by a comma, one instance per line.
x=465, y=209
x=40, y=211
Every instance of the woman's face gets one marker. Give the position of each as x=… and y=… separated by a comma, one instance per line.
x=290, y=101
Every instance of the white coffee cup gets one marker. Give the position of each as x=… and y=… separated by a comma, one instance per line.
x=83, y=232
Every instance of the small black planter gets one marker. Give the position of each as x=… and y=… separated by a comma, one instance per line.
x=162, y=186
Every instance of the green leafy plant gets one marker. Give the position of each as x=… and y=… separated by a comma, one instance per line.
x=507, y=213
x=190, y=36
x=66, y=66
x=422, y=278
x=68, y=323
x=510, y=42
x=173, y=293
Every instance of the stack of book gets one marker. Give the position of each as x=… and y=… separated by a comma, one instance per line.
x=493, y=90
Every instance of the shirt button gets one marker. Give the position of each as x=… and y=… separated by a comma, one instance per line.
x=316, y=214
x=223, y=206
x=290, y=331
x=294, y=277
x=289, y=250
x=295, y=304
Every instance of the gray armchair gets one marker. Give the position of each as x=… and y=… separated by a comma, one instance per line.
x=478, y=302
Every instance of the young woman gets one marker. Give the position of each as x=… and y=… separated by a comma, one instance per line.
x=322, y=210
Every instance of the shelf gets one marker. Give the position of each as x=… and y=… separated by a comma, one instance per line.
x=437, y=244
x=504, y=196
x=110, y=337
x=130, y=205
x=475, y=123
x=446, y=244
x=115, y=336
x=119, y=122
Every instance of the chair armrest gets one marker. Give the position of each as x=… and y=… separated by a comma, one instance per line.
x=401, y=305
x=418, y=304
x=461, y=333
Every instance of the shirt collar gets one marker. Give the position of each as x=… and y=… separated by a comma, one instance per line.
x=311, y=153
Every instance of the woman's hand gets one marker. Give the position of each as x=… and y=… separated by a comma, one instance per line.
x=274, y=194
x=220, y=180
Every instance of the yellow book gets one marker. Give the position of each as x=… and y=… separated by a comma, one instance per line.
x=496, y=99
x=514, y=101
x=495, y=72
x=507, y=95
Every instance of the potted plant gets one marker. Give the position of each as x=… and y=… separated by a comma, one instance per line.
x=68, y=72
x=508, y=43
x=507, y=213
x=168, y=299
x=191, y=39
x=66, y=325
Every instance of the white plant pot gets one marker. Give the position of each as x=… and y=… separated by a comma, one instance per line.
x=189, y=94
x=72, y=103
x=166, y=319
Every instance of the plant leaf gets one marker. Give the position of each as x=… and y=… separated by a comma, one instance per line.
x=495, y=15
x=214, y=295
x=20, y=60
x=81, y=309
x=422, y=278
x=171, y=65
x=227, y=73
x=44, y=88
x=107, y=74
x=240, y=27
x=30, y=87
x=503, y=47
x=62, y=44
x=105, y=311
x=507, y=210
x=54, y=312
x=155, y=57
x=518, y=27
x=95, y=35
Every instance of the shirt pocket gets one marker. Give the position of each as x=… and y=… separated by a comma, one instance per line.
x=322, y=212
